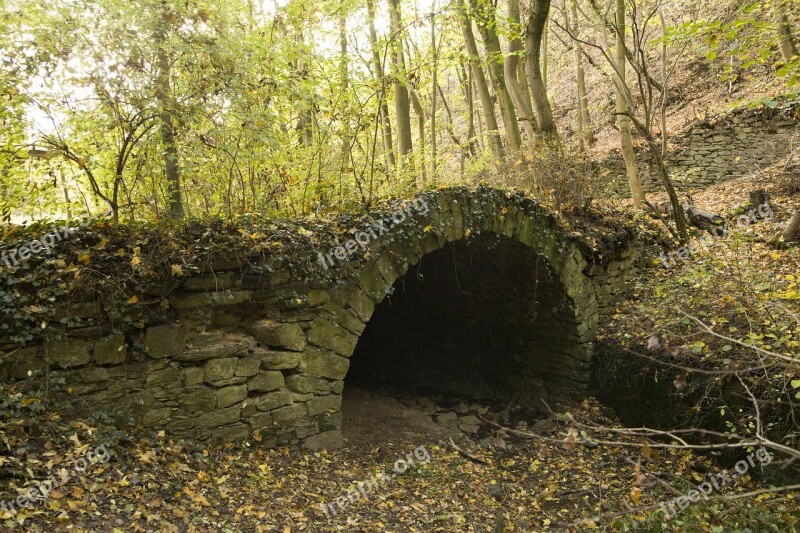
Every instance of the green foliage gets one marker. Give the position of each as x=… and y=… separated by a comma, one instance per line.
x=739, y=42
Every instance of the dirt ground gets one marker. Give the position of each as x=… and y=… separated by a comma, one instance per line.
x=370, y=418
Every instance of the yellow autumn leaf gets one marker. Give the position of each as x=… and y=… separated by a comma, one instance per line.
x=84, y=258
x=147, y=457
x=177, y=270
x=133, y=299
x=427, y=228
x=636, y=492
x=196, y=497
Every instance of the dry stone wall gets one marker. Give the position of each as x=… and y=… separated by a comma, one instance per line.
x=232, y=352
x=718, y=148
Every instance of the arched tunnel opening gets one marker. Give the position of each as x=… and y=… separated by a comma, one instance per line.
x=478, y=320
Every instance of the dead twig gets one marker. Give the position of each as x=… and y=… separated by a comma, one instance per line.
x=464, y=453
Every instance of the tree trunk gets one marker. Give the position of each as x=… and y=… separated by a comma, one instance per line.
x=792, y=231
x=518, y=95
x=434, y=87
x=465, y=78
x=420, y=111
x=383, y=108
x=166, y=109
x=487, y=25
x=449, y=126
x=545, y=35
x=623, y=120
x=482, y=87
x=344, y=83
x=402, y=104
x=585, y=132
x=785, y=37
x=540, y=10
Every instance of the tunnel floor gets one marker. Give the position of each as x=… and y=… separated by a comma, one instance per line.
x=372, y=417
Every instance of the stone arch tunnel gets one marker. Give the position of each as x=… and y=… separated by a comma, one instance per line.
x=483, y=293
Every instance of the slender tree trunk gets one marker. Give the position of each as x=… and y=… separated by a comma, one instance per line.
x=545, y=39
x=402, y=104
x=304, y=123
x=623, y=121
x=482, y=87
x=518, y=96
x=166, y=109
x=537, y=20
x=344, y=83
x=450, y=130
x=487, y=25
x=585, y=132
x=785, y=37
x=434, y=86
x=420, y=111
x=465, y=79
x=383, y=109
x=523, y=83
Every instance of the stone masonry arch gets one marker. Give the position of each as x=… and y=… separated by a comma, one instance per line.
x=232, y=352
x=342, y=320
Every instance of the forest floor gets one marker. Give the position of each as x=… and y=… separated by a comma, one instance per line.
x=547, y=483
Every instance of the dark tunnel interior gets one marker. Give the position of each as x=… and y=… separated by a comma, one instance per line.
x=464, y=322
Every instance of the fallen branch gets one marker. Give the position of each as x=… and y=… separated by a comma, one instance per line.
x=464, y=453
x=703, y=219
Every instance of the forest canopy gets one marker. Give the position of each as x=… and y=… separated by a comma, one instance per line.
x=167, y=110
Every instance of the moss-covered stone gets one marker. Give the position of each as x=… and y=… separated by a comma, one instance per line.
x=266, y=381
x=324, y=364
x=322, y=404
x=217, y=418
x=273, y=400
x=303, y=384
x=326, y=334
x=220, y=369
x=110, y=350
x=199, y=401
x=279, y=335
x=278, y=360
x=228, y=396
x=164, y=341
x=66, y=354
